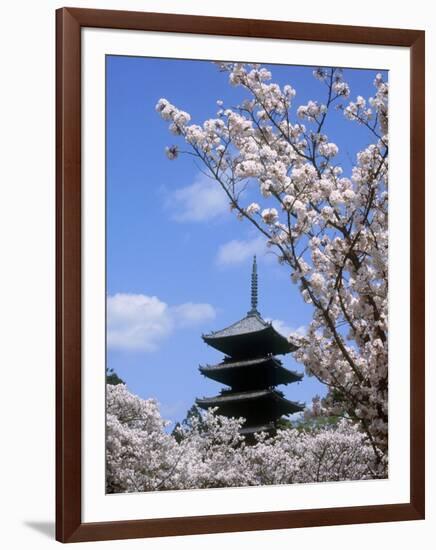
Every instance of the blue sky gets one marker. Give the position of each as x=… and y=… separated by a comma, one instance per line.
x=178, y=262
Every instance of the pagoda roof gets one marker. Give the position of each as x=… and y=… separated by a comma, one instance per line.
x=228, y=370
x=252, y=335
x=252, y=322
x=287, y=406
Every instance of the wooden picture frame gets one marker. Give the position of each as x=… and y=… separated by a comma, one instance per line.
x=69, y=525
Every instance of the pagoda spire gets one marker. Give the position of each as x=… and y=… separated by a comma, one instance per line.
x=253, y=310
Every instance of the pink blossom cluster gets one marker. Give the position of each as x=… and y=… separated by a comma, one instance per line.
x=329, y=228
x=210, y=452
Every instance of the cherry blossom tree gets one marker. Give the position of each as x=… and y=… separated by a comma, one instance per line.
x=210, y=452
x=140, y=455
x=328, y=228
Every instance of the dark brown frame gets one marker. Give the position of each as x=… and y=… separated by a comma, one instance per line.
x=69, y=526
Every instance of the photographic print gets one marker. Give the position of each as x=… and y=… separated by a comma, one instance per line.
x=246, y=274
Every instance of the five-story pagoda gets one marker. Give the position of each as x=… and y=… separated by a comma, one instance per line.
x=251, y=371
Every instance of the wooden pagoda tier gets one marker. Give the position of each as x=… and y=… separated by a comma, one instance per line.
x=249, y=337
x=251, y=371
x=251, y=374
x=259, y=407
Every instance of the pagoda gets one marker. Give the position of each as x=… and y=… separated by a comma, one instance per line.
x=251, y=371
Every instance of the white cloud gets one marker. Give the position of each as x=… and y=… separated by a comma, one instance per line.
x=137, y=322
x=201, y=201
x=191, y=314
x=238, y=251
x=141, y=323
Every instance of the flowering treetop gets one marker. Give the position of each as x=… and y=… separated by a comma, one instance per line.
x=210, y=452
x=328, y=229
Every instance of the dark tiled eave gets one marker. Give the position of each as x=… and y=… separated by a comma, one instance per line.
x=252, y=327
x=228, y=367
x=244, y=345
x=238, y=397
x=229, y=364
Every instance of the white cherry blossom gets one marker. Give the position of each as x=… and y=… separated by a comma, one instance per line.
x=210, y=452
x=328, y=227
